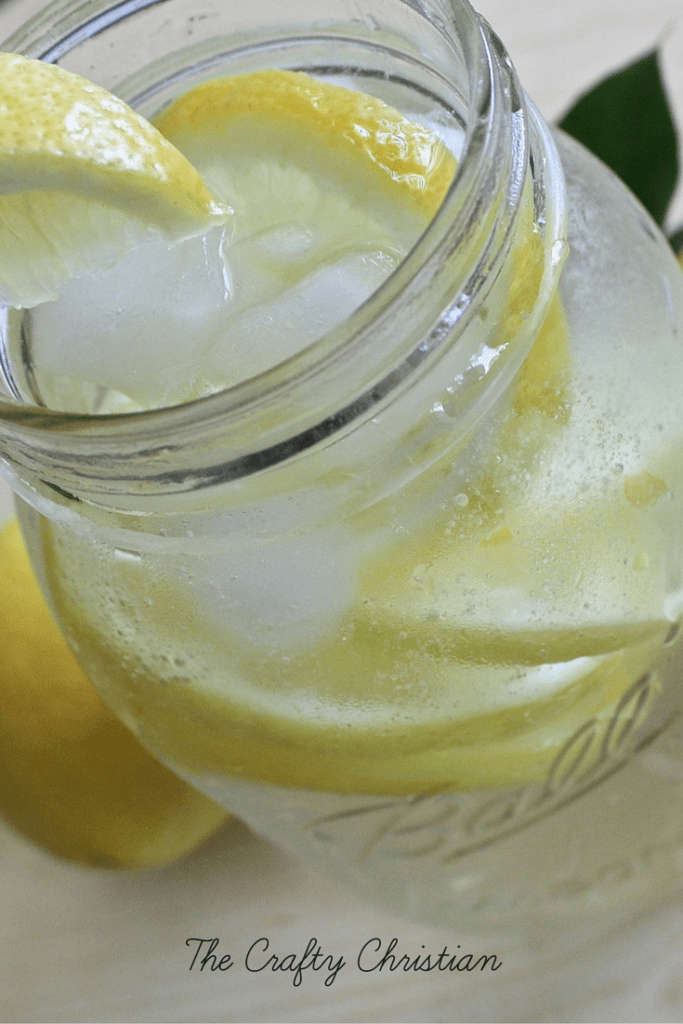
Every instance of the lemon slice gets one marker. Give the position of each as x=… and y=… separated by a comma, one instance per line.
x=82, y=178
x=324, y=131
x=329, y=188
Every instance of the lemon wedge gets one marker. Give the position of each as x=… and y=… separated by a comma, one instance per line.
x=73, y=779
x=82, y=178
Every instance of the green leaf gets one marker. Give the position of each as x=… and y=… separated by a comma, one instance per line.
x=626, y=121
x=677, y=242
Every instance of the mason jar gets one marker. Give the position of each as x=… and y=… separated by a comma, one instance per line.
x=406, y=602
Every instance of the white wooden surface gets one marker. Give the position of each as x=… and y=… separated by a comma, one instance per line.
x=83, y=946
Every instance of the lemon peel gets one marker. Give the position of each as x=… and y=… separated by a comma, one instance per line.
x=73, y=779
x=83, y=178
x=340, y=120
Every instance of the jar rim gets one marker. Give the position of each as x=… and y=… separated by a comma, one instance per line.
x=76, y=438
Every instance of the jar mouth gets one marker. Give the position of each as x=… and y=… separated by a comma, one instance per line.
x=361, y=355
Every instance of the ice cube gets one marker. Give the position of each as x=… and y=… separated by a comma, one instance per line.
x=139, y=329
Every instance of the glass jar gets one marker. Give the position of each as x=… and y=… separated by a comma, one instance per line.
x=407, y=602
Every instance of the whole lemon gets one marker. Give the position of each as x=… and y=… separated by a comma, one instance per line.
x=72, y=778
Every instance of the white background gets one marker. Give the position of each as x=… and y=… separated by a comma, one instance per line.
x=78, y=946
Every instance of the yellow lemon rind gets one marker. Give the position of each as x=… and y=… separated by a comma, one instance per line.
x=343, y=120
x=81, y=171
